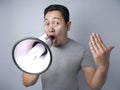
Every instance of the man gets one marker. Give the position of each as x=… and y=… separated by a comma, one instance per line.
x=69, y=57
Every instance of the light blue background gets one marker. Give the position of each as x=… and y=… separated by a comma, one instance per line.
x=24, y=18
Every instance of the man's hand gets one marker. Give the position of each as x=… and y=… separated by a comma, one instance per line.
x=100, y=52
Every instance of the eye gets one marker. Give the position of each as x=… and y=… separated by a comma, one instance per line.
x=47, y=23
x=57, y=23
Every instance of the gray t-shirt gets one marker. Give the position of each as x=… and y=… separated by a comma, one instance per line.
x=66, y=64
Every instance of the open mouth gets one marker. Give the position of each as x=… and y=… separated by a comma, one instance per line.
x=52, y=38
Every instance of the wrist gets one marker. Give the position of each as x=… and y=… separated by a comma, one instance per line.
x=103, y=69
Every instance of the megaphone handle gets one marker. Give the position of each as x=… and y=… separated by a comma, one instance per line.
x=45, y=52
x=37, y=51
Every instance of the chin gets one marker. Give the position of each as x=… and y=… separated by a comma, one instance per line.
x=56, y=44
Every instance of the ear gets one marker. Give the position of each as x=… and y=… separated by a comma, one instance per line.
x=68, y=25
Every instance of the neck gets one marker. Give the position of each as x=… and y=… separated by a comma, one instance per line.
x=63, y=43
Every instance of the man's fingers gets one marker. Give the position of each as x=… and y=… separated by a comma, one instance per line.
x=94, y=43
x=92, y=48
x=97, y=43
x=100, y=42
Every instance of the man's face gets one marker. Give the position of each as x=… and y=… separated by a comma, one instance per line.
x=55, y=27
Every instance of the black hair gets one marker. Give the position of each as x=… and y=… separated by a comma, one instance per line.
x=63, y=10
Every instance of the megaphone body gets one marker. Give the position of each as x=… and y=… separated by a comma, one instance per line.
x=33, y=55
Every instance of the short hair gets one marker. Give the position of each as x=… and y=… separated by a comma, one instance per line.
x=57, y=7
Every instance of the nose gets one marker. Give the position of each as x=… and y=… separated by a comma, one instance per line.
x=51, y=28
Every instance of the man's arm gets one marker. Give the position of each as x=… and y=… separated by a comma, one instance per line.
x=29, y=79
x=97, y=77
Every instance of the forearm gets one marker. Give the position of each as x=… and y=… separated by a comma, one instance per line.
x=29, y=79
x=99, y=79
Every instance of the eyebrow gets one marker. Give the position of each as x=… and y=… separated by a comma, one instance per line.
x=53, y=18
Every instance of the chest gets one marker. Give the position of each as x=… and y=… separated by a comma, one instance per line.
x=66, y=60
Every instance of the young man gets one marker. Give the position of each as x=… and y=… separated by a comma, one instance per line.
x=69, y=57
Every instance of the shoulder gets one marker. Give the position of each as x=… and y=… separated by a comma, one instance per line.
x=76, y=44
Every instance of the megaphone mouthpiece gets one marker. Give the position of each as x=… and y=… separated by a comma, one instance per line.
x=46, y=39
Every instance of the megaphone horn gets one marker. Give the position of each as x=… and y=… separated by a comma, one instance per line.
x=33, y=55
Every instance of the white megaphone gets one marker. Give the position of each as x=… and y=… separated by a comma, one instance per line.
x=33, y=55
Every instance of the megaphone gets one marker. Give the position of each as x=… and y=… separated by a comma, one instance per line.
x=33, y=55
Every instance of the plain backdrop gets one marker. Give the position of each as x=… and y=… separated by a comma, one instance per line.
x=24, y=18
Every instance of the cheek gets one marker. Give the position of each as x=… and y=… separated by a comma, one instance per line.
x=60, y=34
x=45, y=30
x=60, y=29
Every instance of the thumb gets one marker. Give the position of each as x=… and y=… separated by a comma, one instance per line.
x=110, y=48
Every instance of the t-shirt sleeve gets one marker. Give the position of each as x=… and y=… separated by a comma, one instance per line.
x=87, y=60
